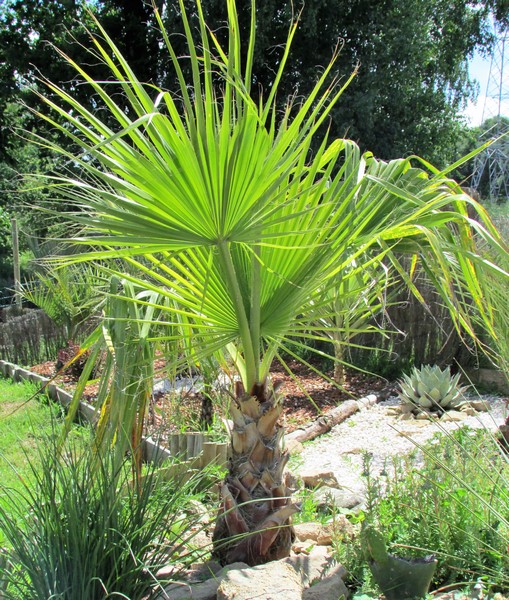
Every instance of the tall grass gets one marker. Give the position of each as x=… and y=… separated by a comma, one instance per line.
x=91, y=531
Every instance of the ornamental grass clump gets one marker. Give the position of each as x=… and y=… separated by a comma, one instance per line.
x=88, y=529
x=431, y=389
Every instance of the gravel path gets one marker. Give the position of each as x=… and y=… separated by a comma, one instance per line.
x=383, y=435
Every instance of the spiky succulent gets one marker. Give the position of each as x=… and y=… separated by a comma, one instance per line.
x=431, y=388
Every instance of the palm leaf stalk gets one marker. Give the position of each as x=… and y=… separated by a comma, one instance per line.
x=217, y=203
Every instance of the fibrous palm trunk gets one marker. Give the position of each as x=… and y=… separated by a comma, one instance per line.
x=254, y=524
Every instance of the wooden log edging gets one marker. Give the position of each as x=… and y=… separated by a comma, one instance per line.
x=187, y=447
x=324, y=423
x=195, y=451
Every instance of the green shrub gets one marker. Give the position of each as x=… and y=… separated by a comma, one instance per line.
x=90, y=530
x=452, y=504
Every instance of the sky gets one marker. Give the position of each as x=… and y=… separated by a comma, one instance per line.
x=479, y=70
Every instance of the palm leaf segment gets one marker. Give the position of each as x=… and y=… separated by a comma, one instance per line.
x=223, y=206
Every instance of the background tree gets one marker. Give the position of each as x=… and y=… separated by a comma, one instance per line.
x=413, y=65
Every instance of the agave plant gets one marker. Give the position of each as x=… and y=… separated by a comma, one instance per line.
x=431, y=388
x=216, y=202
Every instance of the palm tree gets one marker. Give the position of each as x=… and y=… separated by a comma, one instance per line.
x=241, y=216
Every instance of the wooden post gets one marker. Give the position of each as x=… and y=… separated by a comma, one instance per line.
x=15, y=257
x=182, y=455
x=174, y=444
x=222, y=454
x=209, y=454
x=190, y=445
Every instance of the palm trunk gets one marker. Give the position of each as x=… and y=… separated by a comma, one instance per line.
x=339, y=367
x=256, y=508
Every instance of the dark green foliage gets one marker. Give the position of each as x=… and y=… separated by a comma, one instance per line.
x=413, y=76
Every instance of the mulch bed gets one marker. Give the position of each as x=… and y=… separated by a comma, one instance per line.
x=306, y=394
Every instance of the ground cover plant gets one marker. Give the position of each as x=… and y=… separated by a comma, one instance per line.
x=215, y=201
x=451, y=503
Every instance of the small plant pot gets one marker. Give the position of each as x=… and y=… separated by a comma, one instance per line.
x=404, y=579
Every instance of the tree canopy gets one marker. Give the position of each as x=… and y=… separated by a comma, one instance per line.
x=411, y=58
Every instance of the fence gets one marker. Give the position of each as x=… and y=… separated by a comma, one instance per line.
x=424, y=334
x=29, y=337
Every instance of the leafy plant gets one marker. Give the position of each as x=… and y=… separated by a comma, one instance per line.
x=69, y=295
x=127, y=370
x=450, y=501
x=431, y=388
x=86, y=530
x=214, y=200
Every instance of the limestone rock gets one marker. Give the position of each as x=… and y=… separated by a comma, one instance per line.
x=453, y=415
x=328, y=497
x=423, y=416
x=316, y=478
x=303, y=546
x=405, y=408
x=367, y=401
x=468, y=410
x=170, y=571
x=332, y=587
x=407, y=416
x=478, y=405
x=200, y=591
x=294, y=446
x=308, y=531
x=323, y=534
x=272, y=581
x=202, y=571
x=314, y=566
